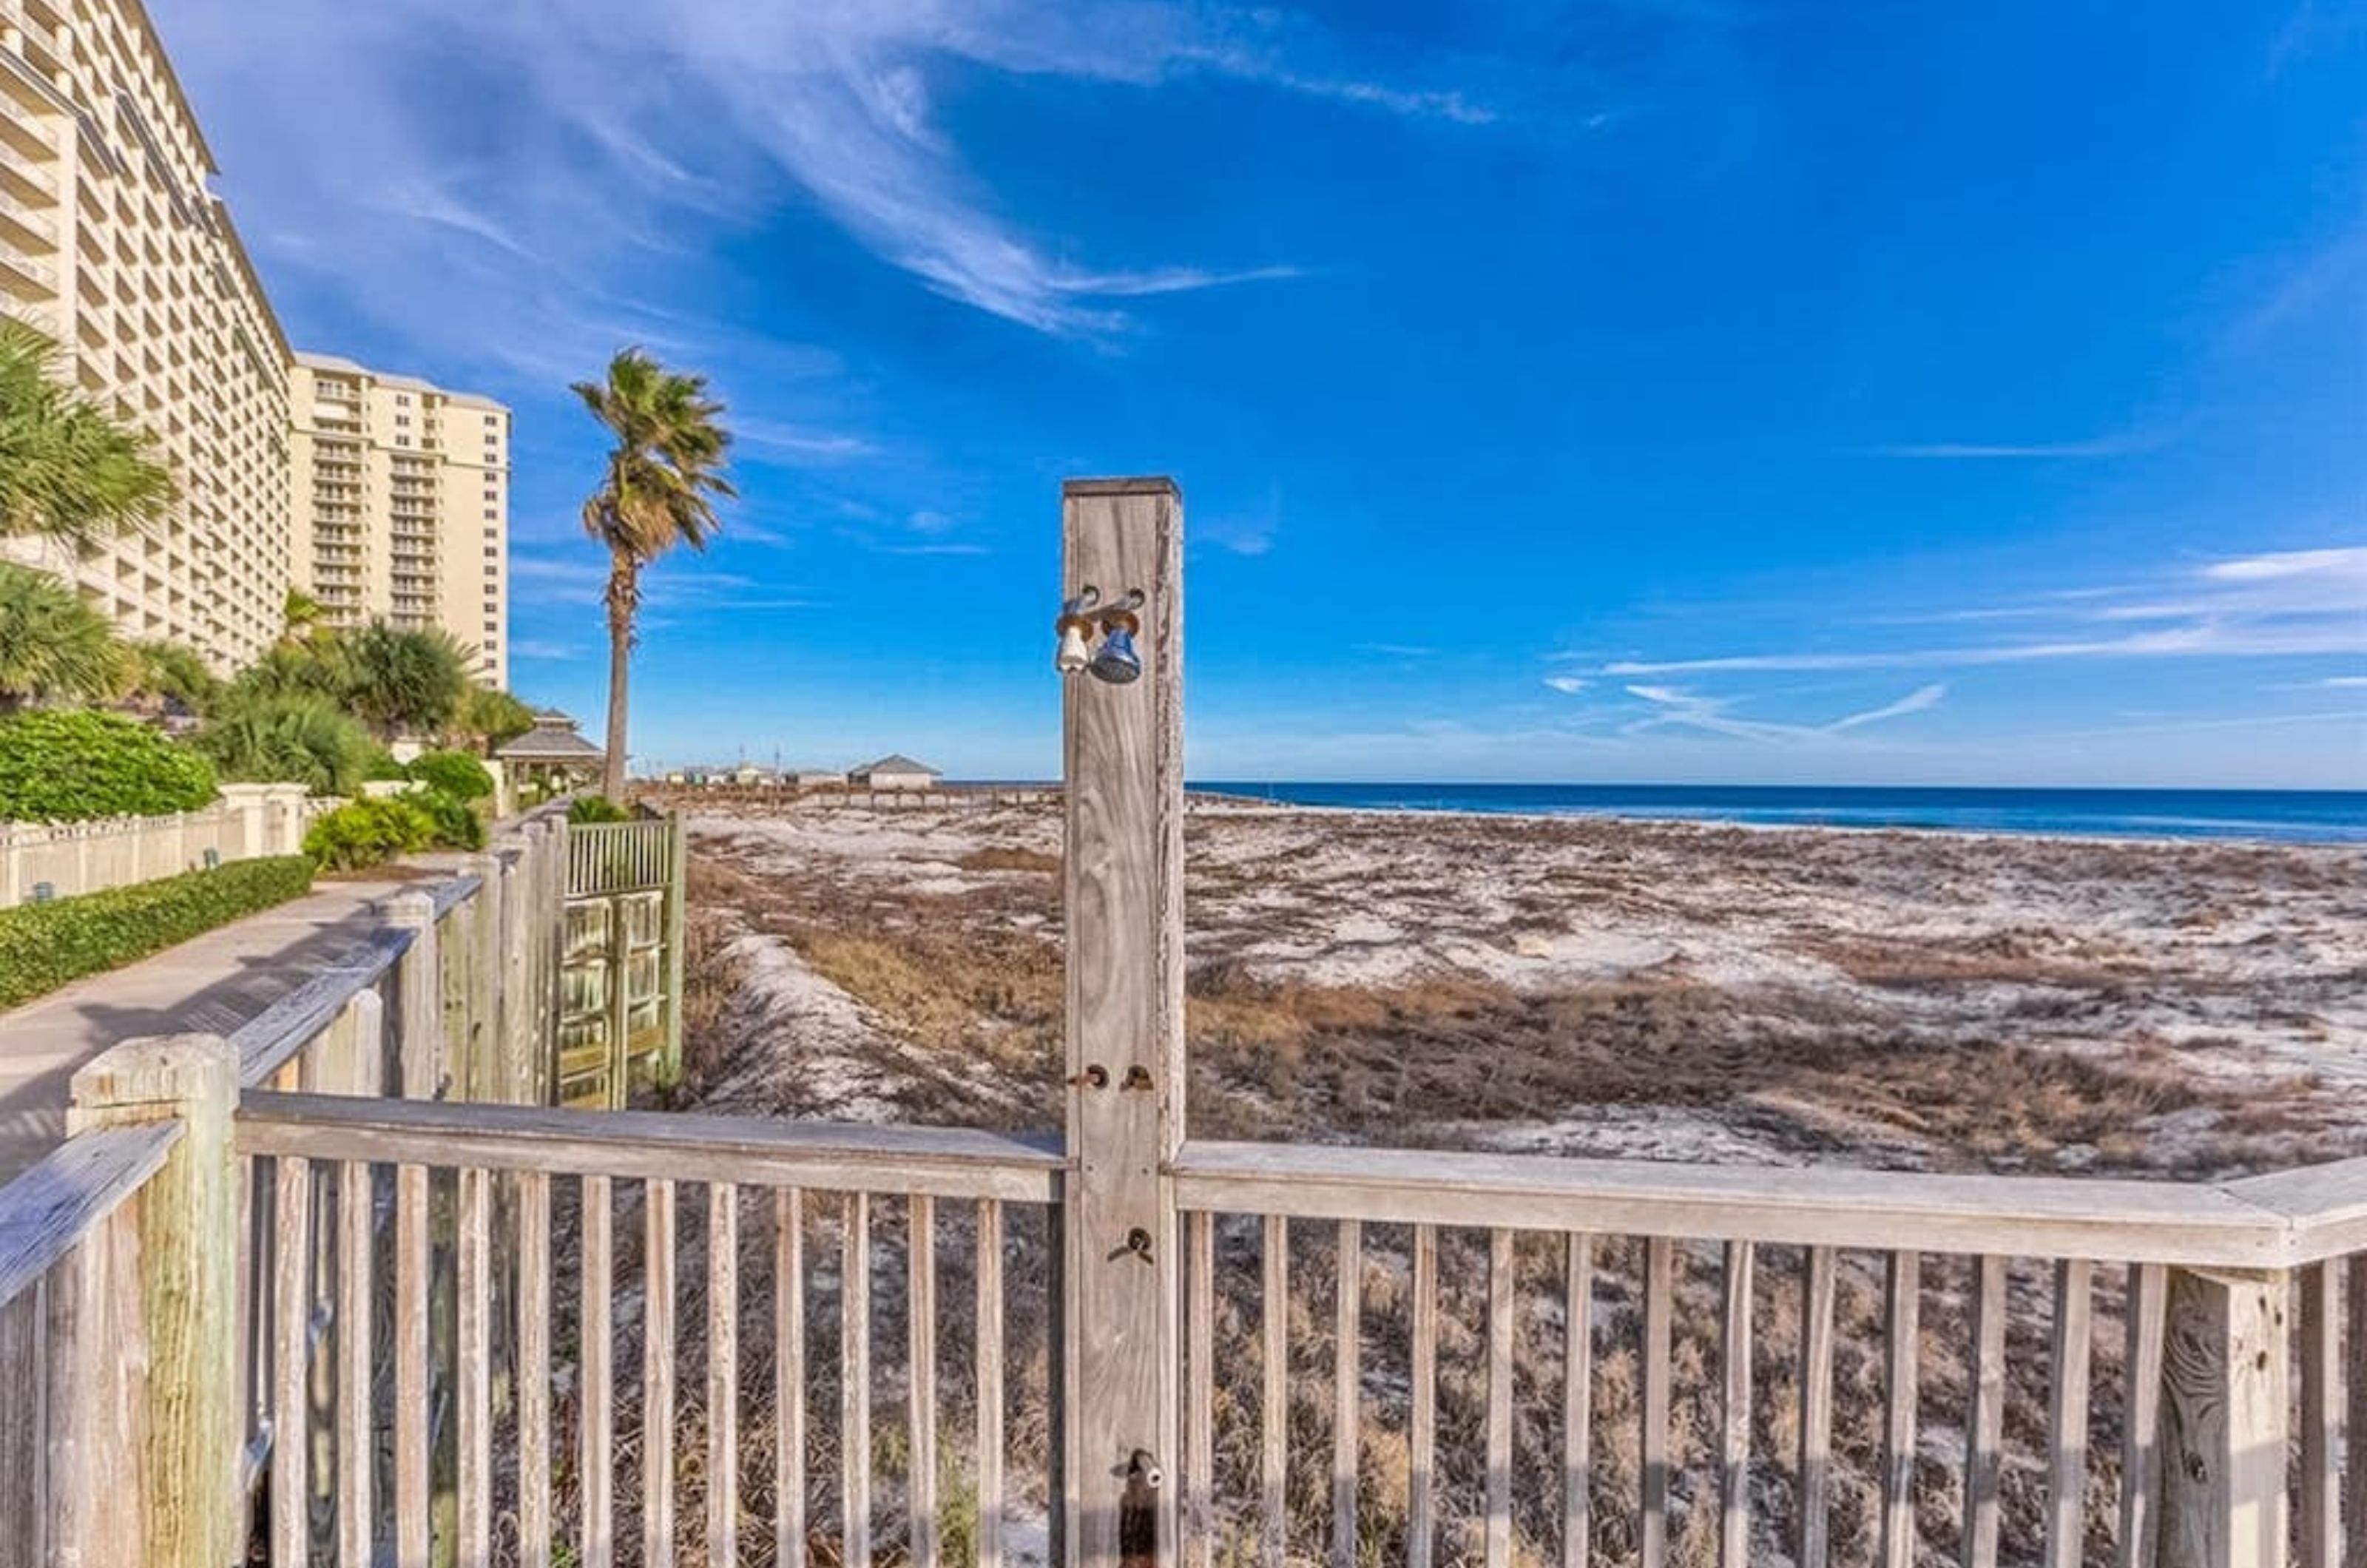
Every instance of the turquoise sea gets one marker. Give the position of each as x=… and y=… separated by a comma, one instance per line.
x=2288, y=815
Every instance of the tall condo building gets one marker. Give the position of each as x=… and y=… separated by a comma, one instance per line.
x=402, y=504
x=111, y=243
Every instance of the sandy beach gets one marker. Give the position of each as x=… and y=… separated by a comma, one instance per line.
x=1660, y=991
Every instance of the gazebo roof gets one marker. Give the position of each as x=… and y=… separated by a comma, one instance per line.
x=553, y=739
x=897, y=763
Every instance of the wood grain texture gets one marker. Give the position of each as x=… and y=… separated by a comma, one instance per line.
x=2146, y=1318
x=180, y=1238
x=921, y=1380
x=24, y=1434
x=473, y=1370
x=1817, y=1407
x=291, y=1361
x=658, y=1307
x=1422, y=1422
x=532, y=1255
x=2067, y=1480
x=2225, y=1386
x=722, y=1372
x=1347, y=1339
x=1985, y=1415
x=411, y=1266
x=1497, y=1540
x=2354, y=1481
x=1660, y=1306
x=990, y=1437
x=1123, y=871
x=65, y=1194
x=1734, y=1410
x=2320, y=1502
x=654, y=1146
x=1902, y=1345
x=790, y=1378
x=1578, y=1402
x=357, y=1443
x=597, y=1434
x=1274, y=1389
x=854, y=1379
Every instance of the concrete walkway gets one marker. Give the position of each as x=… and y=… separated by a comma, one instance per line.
x=211, y=983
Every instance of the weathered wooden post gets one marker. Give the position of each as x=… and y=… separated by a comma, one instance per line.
x=418, y=1002
x=1124, y=765
x=2226, y=1384
x=163, y=1277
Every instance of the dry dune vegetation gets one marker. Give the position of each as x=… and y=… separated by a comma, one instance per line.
x=1663, y=991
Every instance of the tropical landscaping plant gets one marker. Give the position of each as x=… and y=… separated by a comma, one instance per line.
x=454, y=823
x=490, y=719
x=365, y=832
x=665, y=475
x=297, y=739
x=53, y=647
x=67, y=767
x=592, y=810
x=68, y=468
x=456, y=773
x=168, y=678
x=399, y=681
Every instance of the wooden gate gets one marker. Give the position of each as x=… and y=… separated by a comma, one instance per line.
x=620, y=973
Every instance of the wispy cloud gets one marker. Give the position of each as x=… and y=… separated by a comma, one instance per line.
x=1920, y=700
x=2282, y=604
x=1976, y=451
x=1569, y=685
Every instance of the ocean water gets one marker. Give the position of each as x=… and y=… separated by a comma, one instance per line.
x=2288, y=815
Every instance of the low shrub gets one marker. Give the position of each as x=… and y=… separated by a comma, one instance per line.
x=458, y=825
x=58, y=766
x=456, y=773
x=366, y=832
x=290, y=740
x=43, y=946
x=589, y=809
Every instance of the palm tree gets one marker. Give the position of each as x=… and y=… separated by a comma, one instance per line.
x=664, y=476
x=53, y=647
x=69, y=469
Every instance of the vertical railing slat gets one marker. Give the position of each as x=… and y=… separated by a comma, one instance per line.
x=1347, y=1358
x=1578, y=1403
x=534, y=1370
x=790, y=1378
x=2146, y=1315
x=920, y=1327
x=474, y=1370
x=1660, y=1269
x=657, y=1374
x=722, y=1372
x=1498, y=1548
x=2355, y=1511
x=989, y=1437
x=855, y=1377
x=411, y=1389
x=1274, y=1324
x=2321, y=1417
x=1817, y=1407
x=2066, y=1488
x=1985, y=1416
x=1421, y=1425
x=356, y=1444
x=1734, y=1481
x=1902, y=1320
x=1199, y=1389
x=599, y=1433
x=292, y=1298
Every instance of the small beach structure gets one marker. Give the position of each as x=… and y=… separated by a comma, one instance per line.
x=552, y=756
x=896, y=770
x=815, y=778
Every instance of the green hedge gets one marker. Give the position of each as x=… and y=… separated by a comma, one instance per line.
x=456, y=773
x=58, y=766
x=43, y=946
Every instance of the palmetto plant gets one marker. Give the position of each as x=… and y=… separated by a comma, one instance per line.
x=665, y=475
x=69, y=469
x=53, y=647
x=399, y=681
x=299, y=739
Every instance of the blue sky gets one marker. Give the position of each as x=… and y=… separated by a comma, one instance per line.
x=1646, y=389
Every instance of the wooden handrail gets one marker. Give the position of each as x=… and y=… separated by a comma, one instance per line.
x=652, y=1146
x=59, y=1200
x=266, y=1041
x=2275, y=1222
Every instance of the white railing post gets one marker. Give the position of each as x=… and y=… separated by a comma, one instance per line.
x=2224, y=1389
x=1118, y=1410
x=162, y=1279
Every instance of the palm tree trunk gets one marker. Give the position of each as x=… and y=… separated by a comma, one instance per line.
x=624, y=589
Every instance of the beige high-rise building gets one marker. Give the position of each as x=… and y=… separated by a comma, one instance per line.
x=111, y=243
x=402, y=504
